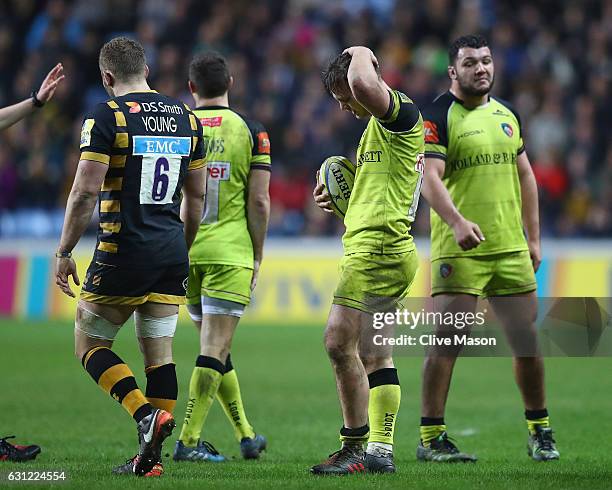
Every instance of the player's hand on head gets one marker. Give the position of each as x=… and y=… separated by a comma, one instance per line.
x=50, y=83
x=355, y=49
x=64, y=268
x=536, y=254
x=467, y=234
x=321, y=196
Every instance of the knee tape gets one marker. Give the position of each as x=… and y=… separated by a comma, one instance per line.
x=95, y=326
x=154, y=327
x=215, y=306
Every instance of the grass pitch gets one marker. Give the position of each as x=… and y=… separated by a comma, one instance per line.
x=288, y=388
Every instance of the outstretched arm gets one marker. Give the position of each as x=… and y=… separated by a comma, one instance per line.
x=11, y=114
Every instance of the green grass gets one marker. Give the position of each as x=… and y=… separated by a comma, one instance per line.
x=289, y=392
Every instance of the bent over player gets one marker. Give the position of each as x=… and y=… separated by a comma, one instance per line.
x=480, y=185
x=379, y=262
x=138, y=151
x=225, y=257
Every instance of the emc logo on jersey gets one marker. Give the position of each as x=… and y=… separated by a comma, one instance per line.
x=507, y=129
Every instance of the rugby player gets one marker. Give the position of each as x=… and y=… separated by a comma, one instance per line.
x=485, y=238
x=226, y=255
x=379, y=262
x=139, y=151
x=8, y=116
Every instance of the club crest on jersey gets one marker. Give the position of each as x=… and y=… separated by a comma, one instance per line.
x=507, y=129
x=445, y=270
x=134, y=107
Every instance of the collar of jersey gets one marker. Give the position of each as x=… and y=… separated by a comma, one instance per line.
x=459, y=101
x=206, y=107
x=141, y=92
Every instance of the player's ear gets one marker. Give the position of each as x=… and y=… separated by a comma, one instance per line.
x=107, y=78
x=192, y=87
x=146, y=71
x=452, y=73
x=231, y=83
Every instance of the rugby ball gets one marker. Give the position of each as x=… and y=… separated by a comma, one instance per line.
x=337, y=174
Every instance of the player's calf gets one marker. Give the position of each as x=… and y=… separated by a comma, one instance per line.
x=155, y=335
x=115, y=378
x=383, y=407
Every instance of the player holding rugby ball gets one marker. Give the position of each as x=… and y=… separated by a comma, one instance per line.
x=379, y=262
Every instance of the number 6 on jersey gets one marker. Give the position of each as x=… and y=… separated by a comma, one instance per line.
x=161, y=166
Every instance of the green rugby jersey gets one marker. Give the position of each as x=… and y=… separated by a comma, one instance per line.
x=388, y=178
x=233, y=145
x=480, y=147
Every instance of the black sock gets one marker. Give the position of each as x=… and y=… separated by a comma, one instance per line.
x=536, y=414
x=162, y=386
x=211, y=363
x=354, y=438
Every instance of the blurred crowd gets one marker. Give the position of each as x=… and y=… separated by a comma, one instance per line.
x=553, y=61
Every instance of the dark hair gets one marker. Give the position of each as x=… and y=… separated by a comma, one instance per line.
x=335, y=75
x=210, y=75
x=470, y=41
x=123, y=57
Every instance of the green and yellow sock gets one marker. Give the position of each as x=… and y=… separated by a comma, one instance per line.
x=115, y=378
x=383, y=407
x=205, y=380
x=431, y=428
x=536, y=417
x=162, y=386
x=231, y=400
